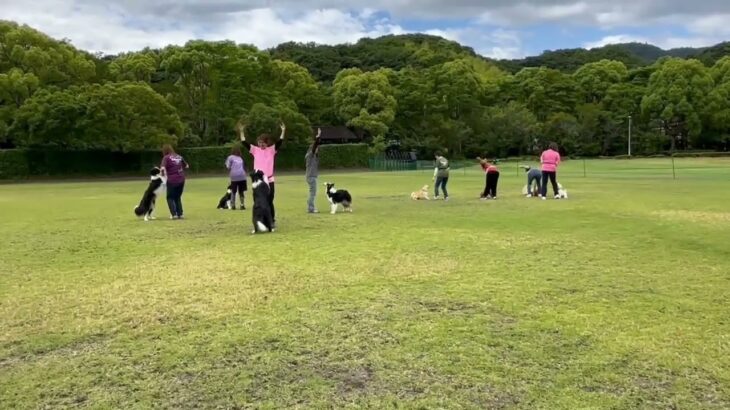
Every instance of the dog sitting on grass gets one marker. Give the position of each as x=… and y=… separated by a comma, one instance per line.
x=225, y=201
x=562, y=192
x=420, y=195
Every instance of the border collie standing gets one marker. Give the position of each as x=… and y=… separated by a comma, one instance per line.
x=338, y=197
x=261, y=213
x=156, y=187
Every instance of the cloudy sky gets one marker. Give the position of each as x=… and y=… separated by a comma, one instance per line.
x=494, y=28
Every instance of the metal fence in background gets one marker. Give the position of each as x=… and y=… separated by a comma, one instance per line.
x=650, y=168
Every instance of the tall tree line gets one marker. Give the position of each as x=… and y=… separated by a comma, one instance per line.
x=425, y=92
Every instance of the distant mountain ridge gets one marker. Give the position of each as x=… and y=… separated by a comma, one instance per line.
x=632, y=54
x=422, y=50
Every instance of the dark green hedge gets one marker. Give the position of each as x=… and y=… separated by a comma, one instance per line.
x=343, y=156
x=19, y=164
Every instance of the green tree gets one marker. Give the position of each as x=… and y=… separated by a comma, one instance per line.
x=545, y=91
x=676, y=96
x=262, y=119
x=15, y=88
x=717, y=108
x=133, y=67
x=192, y=69
x=293, y=82
x=509, y=130
x=594, y=79
x=113, y=116
x=52, y=62
x=365, y=100
x=564, y=129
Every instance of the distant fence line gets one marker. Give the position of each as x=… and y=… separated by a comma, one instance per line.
x=21, y=164
x=672, y=167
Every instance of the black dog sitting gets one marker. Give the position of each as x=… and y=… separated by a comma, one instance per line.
x=225, y=202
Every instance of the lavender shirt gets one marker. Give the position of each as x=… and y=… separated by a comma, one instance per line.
x=236, y=167
x=175, y=168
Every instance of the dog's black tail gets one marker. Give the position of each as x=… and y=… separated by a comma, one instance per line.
x=347, y=200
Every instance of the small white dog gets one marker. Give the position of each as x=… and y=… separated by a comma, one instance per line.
x=562, y=192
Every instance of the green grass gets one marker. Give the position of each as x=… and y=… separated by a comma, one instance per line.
x=616, y=298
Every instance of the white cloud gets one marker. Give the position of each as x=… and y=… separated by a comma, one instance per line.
x=490, y=27
x=615, y=39
x=93, y=28
x=525, y=13
x=266, y=28
x=714, y=25
x=96, y=27
x=497, y=43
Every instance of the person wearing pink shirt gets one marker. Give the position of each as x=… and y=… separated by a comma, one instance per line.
x=492, y=173
x=550, y=159
x=263, y=157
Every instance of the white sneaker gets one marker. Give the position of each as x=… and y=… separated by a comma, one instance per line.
x=543, y=198
x=557, y=196
x=528, y=196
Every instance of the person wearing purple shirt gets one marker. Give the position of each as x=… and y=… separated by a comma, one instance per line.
x=237, y=171
x=173, y=165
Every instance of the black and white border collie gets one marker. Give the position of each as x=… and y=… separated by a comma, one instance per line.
x=261, y=213
x=338, y=197
x=225, y=202
x=156, y=188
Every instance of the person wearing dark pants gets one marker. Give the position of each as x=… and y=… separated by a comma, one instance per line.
x=173, y=167
x=263, y=157
x=552, y=176
x=550, y=159
x=534, y=178
x=311, y=160
x=441, y=184
x=441, y=175
x=492, y=179
x=174, y=199
x=237, y=171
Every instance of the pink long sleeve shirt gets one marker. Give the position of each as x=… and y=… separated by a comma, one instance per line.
x=550, y=160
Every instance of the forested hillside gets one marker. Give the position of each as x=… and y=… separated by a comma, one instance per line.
x=424, y=91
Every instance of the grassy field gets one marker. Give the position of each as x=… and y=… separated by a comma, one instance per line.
x=616, y=298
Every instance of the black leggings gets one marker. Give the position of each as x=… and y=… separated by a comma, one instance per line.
x=553, y=176
x=271, y=201
x=238, y=187
x=490, y=188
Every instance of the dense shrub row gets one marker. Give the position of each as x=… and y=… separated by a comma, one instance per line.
x=19, y=164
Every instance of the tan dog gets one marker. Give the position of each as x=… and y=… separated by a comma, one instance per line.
x=422, y=194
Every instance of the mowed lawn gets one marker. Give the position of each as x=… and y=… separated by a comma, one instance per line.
x=618, y=297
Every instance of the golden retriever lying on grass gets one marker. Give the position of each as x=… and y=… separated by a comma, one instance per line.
x=422, y=194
